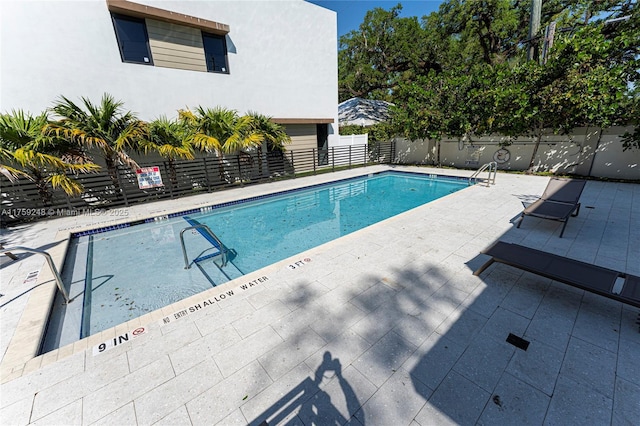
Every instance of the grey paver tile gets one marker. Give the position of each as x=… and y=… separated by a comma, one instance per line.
x=503, y=322
x=629, y=361
x=396, y=402
x=338, y=401
x=626, y=403
x=462, y=326
x=601, y=305
x=577, y=404
x=526, y=295
x=297, y=321
x=484, y=361
x=262, y=317
x=277, y=290
x=515, y=402
x=222, y=399
x=157, y=348
x=433, y=360
x=598, y=329
x=235, y=418
x=370, y=299
x=168, y=396
x=378, y=323
x=78, y=386
x=19, y=412
x=384, y=358
x=283, y=397
x=414, y=329
x=236, y=356
x=456, y=401
x=538, y=366
x=346, y=348
x=591, y=365
x=286, y=355
x=347, y=316
x=68, y=415
x=216, y=319
x=179, y=417
x=485, y=299
x=29, y=384
x=197, y=351
x=119, y=393
x=125, y=415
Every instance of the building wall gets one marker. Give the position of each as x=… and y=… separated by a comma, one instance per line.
x=303, y=136
x=282, y=59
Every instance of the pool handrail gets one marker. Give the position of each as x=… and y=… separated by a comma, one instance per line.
x=53, y=268
x=223, y=250
x=491, y=167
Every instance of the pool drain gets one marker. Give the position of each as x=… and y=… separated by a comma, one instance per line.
x=518, y=342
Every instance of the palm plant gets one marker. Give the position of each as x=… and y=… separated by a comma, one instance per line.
x=271, y=132
x=45, y=160
x=104, y=126
x=172, y=140
x=221, y=130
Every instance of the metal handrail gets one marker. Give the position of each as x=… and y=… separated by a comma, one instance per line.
x=492, y=168
x=53, y=268
x=223, y=250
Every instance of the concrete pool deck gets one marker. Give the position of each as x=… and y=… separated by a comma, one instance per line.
x=386, y=326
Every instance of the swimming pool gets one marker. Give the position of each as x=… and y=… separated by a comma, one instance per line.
x=124, y=273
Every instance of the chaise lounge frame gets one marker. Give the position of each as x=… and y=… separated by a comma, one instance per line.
x=559, y=201
x=606, y=282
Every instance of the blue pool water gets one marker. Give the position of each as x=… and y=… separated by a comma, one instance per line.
x=125, y=273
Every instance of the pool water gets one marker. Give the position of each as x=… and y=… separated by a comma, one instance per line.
x=125, y=273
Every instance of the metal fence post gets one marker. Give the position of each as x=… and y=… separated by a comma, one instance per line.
x=350, y=155
x=206, y=174
x=314, y=160
x=293, y=164
x=333, y=158
x=239, y=170
x=123, y=190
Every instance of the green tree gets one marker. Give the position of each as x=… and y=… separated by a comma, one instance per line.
x=44, y=160
x=171, y=139
x=385, y=50
x=104, y=126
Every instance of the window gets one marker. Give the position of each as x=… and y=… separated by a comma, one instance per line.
x=132, y=39
x=215, y=52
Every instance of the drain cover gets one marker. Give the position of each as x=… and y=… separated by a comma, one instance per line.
x=518, y=342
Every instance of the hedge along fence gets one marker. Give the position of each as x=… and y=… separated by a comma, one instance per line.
x=586, y=152
x=21, y=200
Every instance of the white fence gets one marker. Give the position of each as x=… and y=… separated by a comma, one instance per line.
x=353, y=140
x=586, y=152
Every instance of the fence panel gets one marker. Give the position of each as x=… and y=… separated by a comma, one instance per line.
x=23, y=201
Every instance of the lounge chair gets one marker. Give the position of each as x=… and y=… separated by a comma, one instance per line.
x=615, y=285
x=559, y=201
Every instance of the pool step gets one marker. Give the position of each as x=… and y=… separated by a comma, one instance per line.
x=216, y=274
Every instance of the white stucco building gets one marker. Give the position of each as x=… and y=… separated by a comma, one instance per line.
x=277, y=58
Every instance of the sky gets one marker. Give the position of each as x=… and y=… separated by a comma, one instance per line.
x=351, y=13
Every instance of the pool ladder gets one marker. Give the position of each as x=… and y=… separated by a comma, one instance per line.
x=223, y=250
x=491, y=168
x=52, y=266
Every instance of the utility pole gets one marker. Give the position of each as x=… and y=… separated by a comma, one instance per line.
x=534, y=27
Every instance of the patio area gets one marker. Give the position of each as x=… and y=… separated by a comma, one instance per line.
x=385, y=326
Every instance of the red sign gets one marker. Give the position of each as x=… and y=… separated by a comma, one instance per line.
x=149, y=177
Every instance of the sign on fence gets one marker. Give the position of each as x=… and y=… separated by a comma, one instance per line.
x=149, y=177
